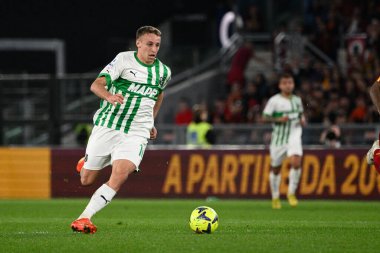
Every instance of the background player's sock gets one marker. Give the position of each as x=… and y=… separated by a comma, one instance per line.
x=99, y=200
x=294, y=178
x=274, y=182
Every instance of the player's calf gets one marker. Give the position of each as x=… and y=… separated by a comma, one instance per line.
x=88, y=177
x=85, y=181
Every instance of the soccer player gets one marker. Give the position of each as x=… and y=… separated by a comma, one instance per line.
x=373, y=155
x=131, y=91
x=285, y=111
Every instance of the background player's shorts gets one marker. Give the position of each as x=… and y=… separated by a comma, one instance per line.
x=279, y=153
x=106, y=145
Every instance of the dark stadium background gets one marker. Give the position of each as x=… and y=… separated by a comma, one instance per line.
x=94, y=31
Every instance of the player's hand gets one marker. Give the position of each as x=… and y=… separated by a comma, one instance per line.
x=282, y=119
x=153, y=133
x=115, y=99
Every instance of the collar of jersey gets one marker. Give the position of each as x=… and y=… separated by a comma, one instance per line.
x=290, y=97
x=144, y=64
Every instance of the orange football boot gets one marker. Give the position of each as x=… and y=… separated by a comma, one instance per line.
x=80, y=164
x=83, y=225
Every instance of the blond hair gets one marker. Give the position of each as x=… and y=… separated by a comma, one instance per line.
x=147, y=29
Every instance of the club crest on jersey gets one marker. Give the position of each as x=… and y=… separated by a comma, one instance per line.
x=161, y=81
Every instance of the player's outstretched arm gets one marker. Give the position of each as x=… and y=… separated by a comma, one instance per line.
x=98, y=87
x=374, y=92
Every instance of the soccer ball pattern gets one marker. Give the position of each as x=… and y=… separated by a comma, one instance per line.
x=204, y=219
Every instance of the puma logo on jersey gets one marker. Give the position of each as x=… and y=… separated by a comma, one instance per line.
x=143, y=90
x=134, y=73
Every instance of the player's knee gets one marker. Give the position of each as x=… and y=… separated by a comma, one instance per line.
x=123, y=168
x=120, y=176
x=296, y=164
x=276, y=170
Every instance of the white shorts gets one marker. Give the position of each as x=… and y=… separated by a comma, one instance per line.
x=106, y=145
x=279, y=153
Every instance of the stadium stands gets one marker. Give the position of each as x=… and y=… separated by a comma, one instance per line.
x=234, y=90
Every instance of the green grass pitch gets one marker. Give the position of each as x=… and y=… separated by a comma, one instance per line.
x=130, y=225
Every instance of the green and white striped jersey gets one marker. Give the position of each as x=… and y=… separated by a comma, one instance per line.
x=140, y=84
x=279, y=106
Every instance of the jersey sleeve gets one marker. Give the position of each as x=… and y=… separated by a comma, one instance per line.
x=269, y=108
x=167, y=76
x=301, y=105
x=113, y=70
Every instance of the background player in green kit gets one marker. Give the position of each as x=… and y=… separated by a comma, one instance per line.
x=285, y=111
x=131, y=91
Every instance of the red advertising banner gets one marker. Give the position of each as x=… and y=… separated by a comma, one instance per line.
x=326, y=174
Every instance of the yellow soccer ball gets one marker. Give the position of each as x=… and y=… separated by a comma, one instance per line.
x=204, y=219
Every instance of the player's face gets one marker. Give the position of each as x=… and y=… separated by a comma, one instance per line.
x=286, y=85
x=147, y=47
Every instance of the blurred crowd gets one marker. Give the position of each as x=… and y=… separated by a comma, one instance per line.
x=331, y=94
